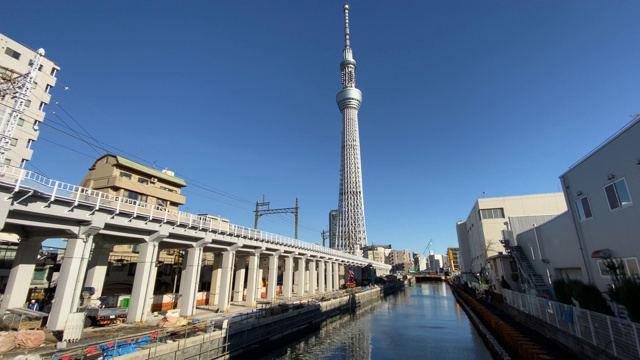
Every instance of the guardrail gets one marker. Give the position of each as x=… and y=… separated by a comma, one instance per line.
x=616, y=336
x=21, y=179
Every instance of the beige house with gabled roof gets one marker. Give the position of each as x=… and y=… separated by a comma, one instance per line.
x=122, y=177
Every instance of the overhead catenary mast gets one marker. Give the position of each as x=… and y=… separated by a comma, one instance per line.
x=8, y=126
x=351, y=232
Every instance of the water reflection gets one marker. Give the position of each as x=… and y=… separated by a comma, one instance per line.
x=422, y=321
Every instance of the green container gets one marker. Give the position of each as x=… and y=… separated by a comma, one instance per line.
x=124, y=303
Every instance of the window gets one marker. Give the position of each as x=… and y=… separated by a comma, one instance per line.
x=142, y=180
x=497, y=213
x=14, y=142
x=628, y=265
x=27, y=103
x=14, y=54
x=167, y=189
x=53, y=72
x=42, y=104
x=618, y=194
x=134, y=196
x=632, y=266
x=31, y=64
x=584, y=209
x=38, y=274
x=20, y=122
x=47, y=88
x=161, y=202
x=125, y=175
x=7, y=162
x=29, y=143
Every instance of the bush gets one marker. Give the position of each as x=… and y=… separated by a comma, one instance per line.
x=587, y=295
x=627, y=292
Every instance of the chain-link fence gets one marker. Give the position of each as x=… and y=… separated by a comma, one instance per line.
x=616, y=336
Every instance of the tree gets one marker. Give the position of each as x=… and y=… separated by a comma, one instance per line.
x=625, y=289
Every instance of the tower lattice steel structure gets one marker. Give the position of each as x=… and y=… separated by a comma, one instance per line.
x=352, y=234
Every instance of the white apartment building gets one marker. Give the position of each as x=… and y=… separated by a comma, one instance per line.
x=479, y=236
x=15, y=62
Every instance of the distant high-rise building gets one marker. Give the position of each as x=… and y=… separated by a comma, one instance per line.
x=454, y=259
x=15, y=63
x=333, y=229
x=400, y=260
x=352, y=234
x=376, y=252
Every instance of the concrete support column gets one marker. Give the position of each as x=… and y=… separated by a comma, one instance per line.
x=259, y=278
x=272, y=281
x=189, y=281
x=98, y=268
x=287, y=277
x=70, y=281
x=301, y=275
x=228, y=258
x=313, y=276
x=144, y=282
x=238, y=286
x=336, y=276
x=307, y=279
x=21, y=273
x=216, y=273
x=252, y=281
x=330, y=276
x=321, y=276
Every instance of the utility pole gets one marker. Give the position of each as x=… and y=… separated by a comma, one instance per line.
x=325, y=235
x=8, y=127
x=259, y=212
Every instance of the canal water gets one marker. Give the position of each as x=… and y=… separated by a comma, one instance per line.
x=423, y=321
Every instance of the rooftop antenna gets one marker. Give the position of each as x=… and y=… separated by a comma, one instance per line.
x=346, y=26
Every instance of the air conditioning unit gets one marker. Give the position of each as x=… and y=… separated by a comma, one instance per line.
x=154, y=180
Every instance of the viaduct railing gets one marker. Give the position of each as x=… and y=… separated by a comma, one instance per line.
x=21, y=179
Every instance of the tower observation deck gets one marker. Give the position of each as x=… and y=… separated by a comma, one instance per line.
x=351, y=234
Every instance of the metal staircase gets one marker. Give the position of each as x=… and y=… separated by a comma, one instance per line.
x=532, y=279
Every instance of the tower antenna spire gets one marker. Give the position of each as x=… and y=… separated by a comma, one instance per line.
x=346, y=26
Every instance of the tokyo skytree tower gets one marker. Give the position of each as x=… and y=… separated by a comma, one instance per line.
x=351, y=234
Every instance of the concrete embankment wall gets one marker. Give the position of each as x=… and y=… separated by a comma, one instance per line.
x=275, y=327
x=514, y=342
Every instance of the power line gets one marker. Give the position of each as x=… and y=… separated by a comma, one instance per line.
x=94, y=143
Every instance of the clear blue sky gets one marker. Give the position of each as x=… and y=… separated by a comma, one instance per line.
x=238, y=98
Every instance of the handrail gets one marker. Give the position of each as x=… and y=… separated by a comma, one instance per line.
x=17, y=178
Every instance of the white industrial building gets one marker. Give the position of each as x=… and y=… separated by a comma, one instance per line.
x=480, y=235
x=15, y=62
